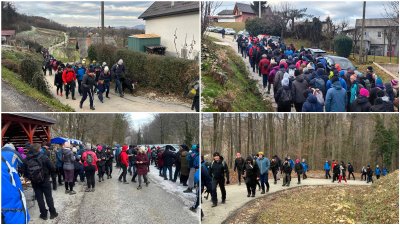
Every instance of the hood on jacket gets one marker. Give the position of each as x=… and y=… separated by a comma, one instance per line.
x=300, y=78
x=312, y=99
x=337, y=85
x=362, y=100
x=124, y=148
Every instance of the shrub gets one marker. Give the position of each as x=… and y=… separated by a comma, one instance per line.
x=39, y=82
x=92, y=54
x=11, y=65
x=343, y=45
x=28, y=68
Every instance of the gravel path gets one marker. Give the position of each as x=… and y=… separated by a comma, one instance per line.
x=236, y=197
x=15, y=101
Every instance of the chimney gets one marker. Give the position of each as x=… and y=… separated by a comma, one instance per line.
x=172, y=4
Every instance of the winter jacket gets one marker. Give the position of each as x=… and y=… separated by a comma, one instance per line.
x=205, y=179
x=239, y=164
x=298, y=168
x=193, y=158
x=184, y=164
x=68, y=159
x=94, y=158
x=277, y=81
x=142, y=168
x=218, y=169
x=279, y=96
x=106, y=77
x=384, y=172
x=361, y=104
x=327, y=166
x=287, y=169
x=68, y=76
x=336, y=169
x=160, y=160
x=118, y=71
x=312, y=105
x=80, y=72
x=350, y=168
x=168, y=157
x=263, y=165
x=291, y=162
x=382, y=105
x=335, y=98
x=272, y=73
x=58, y=78
x=305, y=166
x=124, y=157
x=101, y=155
x=377, y=171
x=264, y=66
x=13, y=207
x=88, y=82
x=299, y=85
x=251, y=171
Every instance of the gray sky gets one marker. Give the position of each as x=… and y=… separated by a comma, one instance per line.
x=141, y=118
x=86, y=13
x=337, y=10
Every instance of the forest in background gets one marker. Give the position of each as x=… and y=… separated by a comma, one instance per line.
x=357, y=138
x=118, y=128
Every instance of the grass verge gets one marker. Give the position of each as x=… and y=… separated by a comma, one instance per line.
x=12, y=79
x=237, y=26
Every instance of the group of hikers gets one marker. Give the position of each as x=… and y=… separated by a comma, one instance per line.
x=94, y=79
x=308, y=82
x=255, y=172
x=91, y=80
x=63, y=163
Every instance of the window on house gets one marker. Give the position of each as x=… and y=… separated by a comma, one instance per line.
x=379, y=34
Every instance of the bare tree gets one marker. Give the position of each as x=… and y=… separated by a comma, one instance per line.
x=208, y=8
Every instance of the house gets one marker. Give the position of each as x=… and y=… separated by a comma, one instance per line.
x=177, y=23
x=244, y=12
x=225, y=16
x=7, y=36
x=378, y=33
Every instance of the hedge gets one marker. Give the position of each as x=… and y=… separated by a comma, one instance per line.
x=343, y=45
x=164, y=73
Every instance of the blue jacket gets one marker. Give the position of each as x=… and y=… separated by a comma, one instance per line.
x=384, y=172
x=291, y=162
x=59, y=162
x=312, y=105
x=336, y=98
x=327, y=166
x=305, y=166
x=341, y=80
x=80, y=72
x=378, y=171
x=13, y=202
x=263, y=165
x=193, y=158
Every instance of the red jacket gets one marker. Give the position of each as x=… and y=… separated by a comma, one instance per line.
x=68, y=76
x=142, y=168
x=160, y=161
x=264, y=71
x=124, y=157
x=94, y=157
x=253, y=48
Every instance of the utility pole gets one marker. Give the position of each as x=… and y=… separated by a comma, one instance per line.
x=102, y=22
x=259, y=9
x=361, y=53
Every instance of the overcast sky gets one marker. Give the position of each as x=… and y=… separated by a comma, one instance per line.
x=141, y=118
x=86, y=13
x=337, y=10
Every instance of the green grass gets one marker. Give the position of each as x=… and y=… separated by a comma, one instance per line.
x=241, y=89
x=237, y=26
x=12, y=79
x=379, y=59
x=297, y=42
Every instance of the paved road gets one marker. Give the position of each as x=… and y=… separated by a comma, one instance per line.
x=114, y=202
x=228, y=41
x=236, y=197
x=15, y=101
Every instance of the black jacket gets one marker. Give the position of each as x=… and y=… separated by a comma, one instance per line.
x=361, y=104
x=252, y=171
x=336, y=169
x=298, y=168
x=88, y=82
x=218, y=169
x=286, y=167
x=48, y=167
x=168, y=157
x=274, y=166
x=101, y=155
x=239, y=164
x=350, y=168
x=382, y=106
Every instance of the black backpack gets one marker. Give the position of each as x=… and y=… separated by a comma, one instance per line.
x=286, y=96
x=254, y=53
x=35, y=170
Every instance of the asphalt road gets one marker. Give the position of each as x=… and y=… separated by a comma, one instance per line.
x=117, y=203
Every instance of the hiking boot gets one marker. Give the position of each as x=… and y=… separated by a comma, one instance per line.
x=43, y=217
x=72, y=192
x=110, y=176
x=189, y=190
x=253, y=195
x=134, y=181
x=73, y=98
x=99, y=180
x=223, y=201
x=165, y=179
x=214, y=205
x=263, y=192
x=288, y=184
x=239, y=183
x=80, y=105
x=66, y=97
x=53, y=215
x=298, y=182
x=139, y=187
x=92, y=108
x=147, y=184
x=121, y=96
x=185, y=185
x=283, y=184
x=275, y=182
x=66, y=191
x=107, y=97
x=248, y=195
x=120, y=180
x=87, y=190
x=92, y=190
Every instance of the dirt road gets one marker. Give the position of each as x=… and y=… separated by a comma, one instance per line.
x=236, y=197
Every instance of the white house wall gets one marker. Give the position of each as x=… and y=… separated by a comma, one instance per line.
x=185, y=24
x=230, y=20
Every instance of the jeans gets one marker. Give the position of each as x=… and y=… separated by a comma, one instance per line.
x=214, y=184
x=327, y=174
x=107, y=88
x=44, y=189
x=118, y=86
x=264, y=180
x=169, y=168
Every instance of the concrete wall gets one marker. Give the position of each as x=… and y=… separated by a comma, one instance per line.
x=184, y=24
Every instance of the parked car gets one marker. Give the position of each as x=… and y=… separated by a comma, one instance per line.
x=218, y=29
x=210, y=29
x=243, y=32
x=230, y=31
x=344, y=63
x=316, y=51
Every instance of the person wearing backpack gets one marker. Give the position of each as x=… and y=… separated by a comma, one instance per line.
x=101, y=162
x=287, y=170
x=253, y=56
x=217, y=171
x=361, y=104
x=169, y=160
x=264, y=69
x=327, y=168
x=251, y=175
x=124, y=164
x=298, y=168
x=69, y=78
x=89, y=159
x=37, y=168
x=378, y=172
x=184, y=167
x=299, y=86
x=335, y=97
x=311, y=104
x=283, y=97
x=68, y=159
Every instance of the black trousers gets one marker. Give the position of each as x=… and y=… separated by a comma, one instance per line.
x=123, y=174
x=184, y=179
x=42, y=191
x=80, y=87
x=86, y=93
x=298, y=177
x=101, y=170
x=251, y=186
x=70, y=87
x=298, y=107
x=109, y=168
x=196, y=103
x=90, y=172
x=351, y=173
x=327, y=174
x=274, y=172
x=214, y=184
x=363, y=176
x=335, y=177
x=60, y=173
x=54, y=180
x=177, y=172
x=239, y=173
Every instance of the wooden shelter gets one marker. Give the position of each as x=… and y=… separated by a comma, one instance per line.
x=20, y=128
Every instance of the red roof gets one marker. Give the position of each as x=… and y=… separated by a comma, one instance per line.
x=7, y=32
